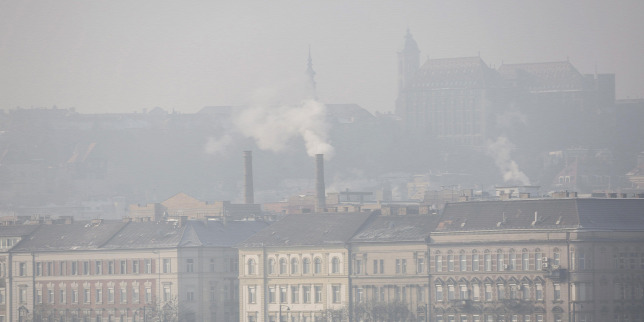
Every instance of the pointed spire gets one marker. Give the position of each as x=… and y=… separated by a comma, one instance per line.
x=311, y=74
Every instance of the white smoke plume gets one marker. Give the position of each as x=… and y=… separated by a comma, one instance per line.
x=218, y=145
x=274, y=127
x=500, y=151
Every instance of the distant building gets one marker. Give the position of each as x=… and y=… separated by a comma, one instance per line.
x=567, y=259
x=182, y=205
x=125, y=271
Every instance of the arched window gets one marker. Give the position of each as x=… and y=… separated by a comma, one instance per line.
x=271, y=266
x=335, y=265
x=513, y=260
x=462, y=259
x=251, y=267
x=487, y=261
x=317, y=265
x=306, y=266
x=450, y=261
x=294, y=265
x=525, y=260
x=282, y=266
x=500, y=260
x=475, y=260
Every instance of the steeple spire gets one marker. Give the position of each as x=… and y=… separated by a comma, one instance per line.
x=311, y=75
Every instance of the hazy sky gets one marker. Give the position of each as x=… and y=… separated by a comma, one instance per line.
x=123, y=56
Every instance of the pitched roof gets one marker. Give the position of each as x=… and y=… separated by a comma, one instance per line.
x=455, y=73
x=17, y=230
x=75, y=236
x=309, y=230
x=397, y=229
x=137, y=235
x=548, y=76
x=605, y=214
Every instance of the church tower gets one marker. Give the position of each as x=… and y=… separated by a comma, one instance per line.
x=310, y=73
x=408, y=64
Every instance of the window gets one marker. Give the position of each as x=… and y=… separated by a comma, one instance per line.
x=167, y=293
x=22, y=269
x=295, y=294
x=123, y=268
x=50, y=296
x=557, y=291
x=271, y=294
x=404, y=266
x=110, y=295
x=463, y=262
x=317, y=266
x=86, y=296
x=335, y=265
x=99, y=296
x=538, y=257
x=123, y=295
x=22, y=295
x=525, y=292
x=500, y=291
x=282, y=294
x=306, y=294
x=488, y=262
x=294, y=265
x=74, y=296
x=98, y=268
x=136, y=266
x=438, y=263
x=148, y=266
x=148, y=295
x=499, y=261
x=318, y=293
x=539, y=318
x=358, y=266
x=555, y=257
x=251, y=267
x=39, y=269
x=475, y=262
x=335, y=289
x=190, y=265
x=581, y=261
x=513, y=260
x=251, y=295
x=450, y=262
x=306, y=266
x=62, y=296
x=39, y=296
x=62, y=268
x=451, y=293
x=166, y=266
x=513, y=291
x=476, y=292
x=74, y=268
x=463, y=292
x=420, y=265
x=488, y=292
x=271, y=266
x=538, y=293
x=525, y=261
x=110, y=267
x=135, y=294
x=282, y=266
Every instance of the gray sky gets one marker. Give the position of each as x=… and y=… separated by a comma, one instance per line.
x=123, y=56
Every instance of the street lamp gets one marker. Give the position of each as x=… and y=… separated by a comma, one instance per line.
x=287, y=309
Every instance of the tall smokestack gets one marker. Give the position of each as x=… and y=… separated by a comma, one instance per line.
x=320, y=204
x=249, y=194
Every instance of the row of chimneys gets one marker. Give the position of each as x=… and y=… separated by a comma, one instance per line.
x=249, y=194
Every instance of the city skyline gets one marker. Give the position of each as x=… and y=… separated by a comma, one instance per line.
x=112, y=58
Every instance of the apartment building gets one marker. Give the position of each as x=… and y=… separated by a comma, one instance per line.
x=127, y=271
x=297, y=269
x=539, y=260
x=521, y=260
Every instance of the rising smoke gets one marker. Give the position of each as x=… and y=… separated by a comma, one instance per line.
x=500, y=150
x=274, y=127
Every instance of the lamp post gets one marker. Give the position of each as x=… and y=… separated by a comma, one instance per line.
x=287, y=309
